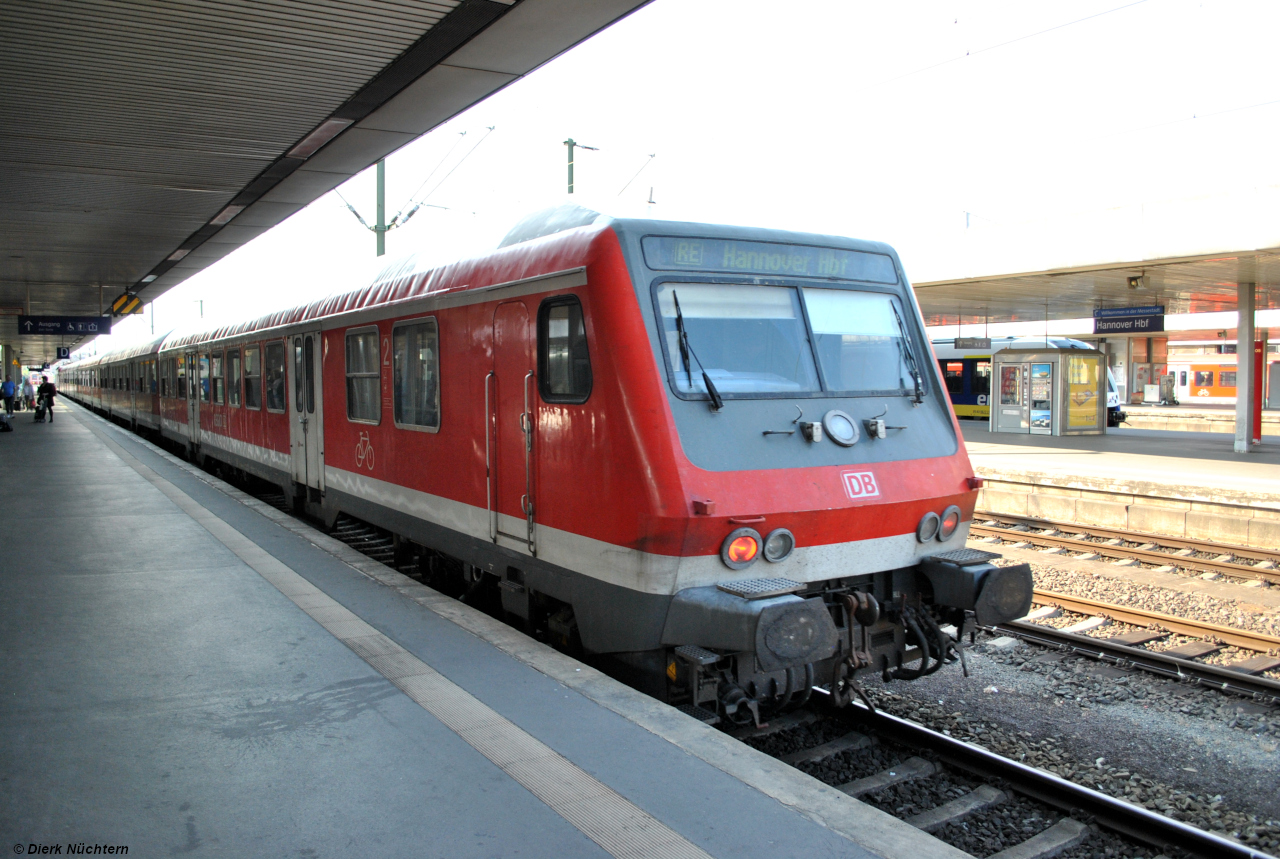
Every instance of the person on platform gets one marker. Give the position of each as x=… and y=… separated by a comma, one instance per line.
x=7, y=391
x=47, y=391
x=28, y=394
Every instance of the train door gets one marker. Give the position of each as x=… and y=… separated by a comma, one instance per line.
x=512, y=416
x=193, y=399
x=306, y=417
x=131, y=397
x=1014, y=412
x=1181, y=382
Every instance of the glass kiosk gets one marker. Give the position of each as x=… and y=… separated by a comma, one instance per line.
x=1050, y=391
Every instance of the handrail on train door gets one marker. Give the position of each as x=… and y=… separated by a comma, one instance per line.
x=488, y=462
x=526, y=503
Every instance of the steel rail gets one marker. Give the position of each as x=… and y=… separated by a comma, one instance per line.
x=1214, y=677
x=1253, y=552
x=1151, y=556
x=1140, y=617
x=1141, y=824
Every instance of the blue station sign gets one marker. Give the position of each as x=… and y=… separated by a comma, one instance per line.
x=75, y=326
x=1128, y=320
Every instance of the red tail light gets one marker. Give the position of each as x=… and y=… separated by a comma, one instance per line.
x=743, y=550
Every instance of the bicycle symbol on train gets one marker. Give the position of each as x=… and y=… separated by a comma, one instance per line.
x=364, y=452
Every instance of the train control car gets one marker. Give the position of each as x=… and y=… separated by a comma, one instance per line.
x=717, y=459
x=967, y=374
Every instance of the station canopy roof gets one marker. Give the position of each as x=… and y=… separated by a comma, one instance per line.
x=1185, y=255
x=142, y=141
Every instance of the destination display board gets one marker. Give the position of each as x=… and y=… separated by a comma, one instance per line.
x=1128, y=320
x=973, y=343
x=766, y=258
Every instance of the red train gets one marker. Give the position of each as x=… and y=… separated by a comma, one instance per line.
x=720, y=456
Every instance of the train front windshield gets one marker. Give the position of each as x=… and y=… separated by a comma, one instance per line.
x=753, y=342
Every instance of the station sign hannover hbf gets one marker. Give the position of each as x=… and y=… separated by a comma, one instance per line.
x=1128, y=320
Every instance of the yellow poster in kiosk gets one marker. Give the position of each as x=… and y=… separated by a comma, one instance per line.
x=1082, y=391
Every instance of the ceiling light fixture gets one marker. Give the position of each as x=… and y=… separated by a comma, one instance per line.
x=149, y=278
x=178, y=254
x=226, y=215
x=324, y=132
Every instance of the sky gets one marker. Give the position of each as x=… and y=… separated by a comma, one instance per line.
x=971, y=136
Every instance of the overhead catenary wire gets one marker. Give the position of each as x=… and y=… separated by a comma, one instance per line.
x=647, y=162
x=1015, y=41
x=395, y=222
x=461, y=136
x=399, y=221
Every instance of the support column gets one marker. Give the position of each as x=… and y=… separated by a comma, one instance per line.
x=1246, y=379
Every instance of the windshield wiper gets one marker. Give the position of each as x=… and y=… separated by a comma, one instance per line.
x=909, y=355
x=717, y=402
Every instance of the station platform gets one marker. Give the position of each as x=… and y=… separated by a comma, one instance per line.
x=1195, y=417
x=188, y=669
x=1179, y=484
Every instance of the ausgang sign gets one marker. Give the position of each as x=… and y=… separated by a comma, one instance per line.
x=1128, y=320
x=74, y=325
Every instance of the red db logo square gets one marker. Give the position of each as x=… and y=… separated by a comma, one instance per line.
x=860, y=484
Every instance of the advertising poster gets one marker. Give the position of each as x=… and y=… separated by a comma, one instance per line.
x=1082, y=391
x=1041, y=396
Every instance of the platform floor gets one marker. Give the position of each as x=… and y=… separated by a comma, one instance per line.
x=1149, y=462
x=187, y=670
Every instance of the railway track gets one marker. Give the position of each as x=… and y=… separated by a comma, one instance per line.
x=1244, y=562
x=1125, y=651
x=999, y=781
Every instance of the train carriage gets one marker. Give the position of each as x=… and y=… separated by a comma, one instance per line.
x=719, y=456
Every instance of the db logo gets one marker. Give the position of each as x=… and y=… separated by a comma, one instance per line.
x=860, y=484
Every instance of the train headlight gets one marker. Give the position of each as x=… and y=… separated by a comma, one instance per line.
x=928, y=527
x=778, y=545
x=950, y=522
x=741, y=548
x=840, y=427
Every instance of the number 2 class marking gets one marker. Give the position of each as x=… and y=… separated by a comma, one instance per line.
x=386, y=351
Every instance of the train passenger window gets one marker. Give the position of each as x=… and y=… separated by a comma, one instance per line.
x=1182, y=378
x=1204, y=378
x=164, y=378
x=416, y=375
x=273, y=371
x=364, y=377
x=564, y=365
x=1226, y=378
x=182, y=377
x=309, y=359
x=233, y=377
x=252, y=378
x=204, y=378
x=215, y=381
x=953, y=375
x=982, y=378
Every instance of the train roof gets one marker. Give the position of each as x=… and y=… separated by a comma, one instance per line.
x=540, y=244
